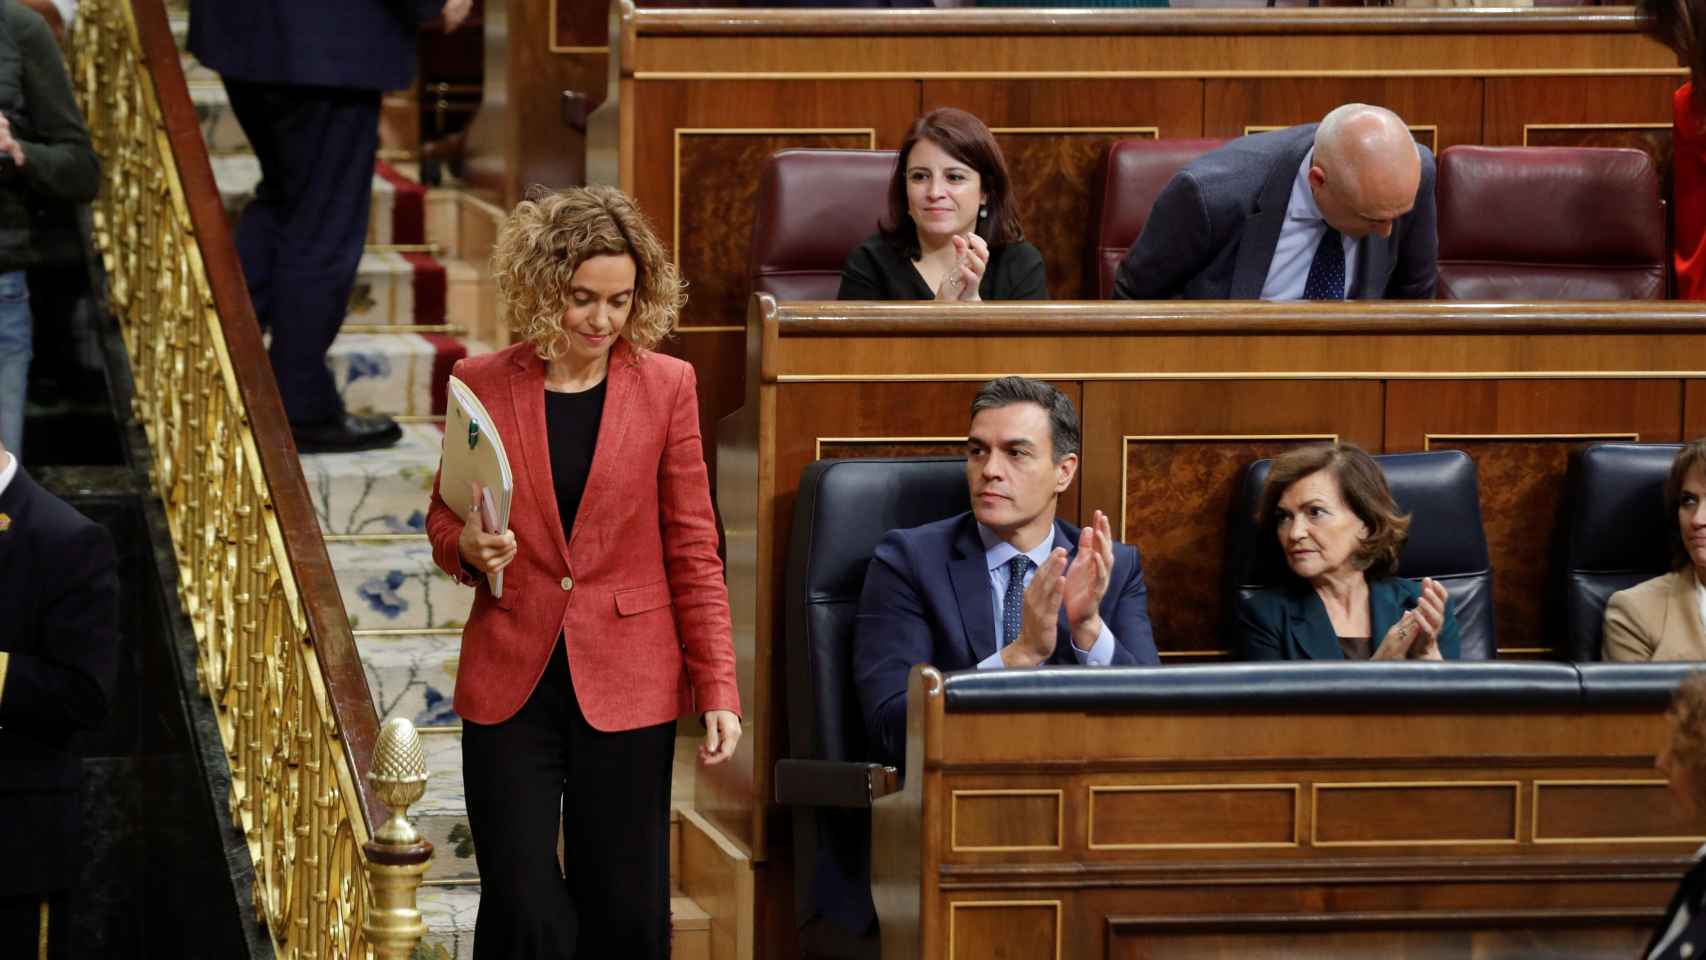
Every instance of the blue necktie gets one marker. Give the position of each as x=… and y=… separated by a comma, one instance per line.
x=1326, y=279
x=1013, y=603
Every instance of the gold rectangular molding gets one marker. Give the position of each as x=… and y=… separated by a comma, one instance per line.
x=1127, y=440
x=675, y=164
x=711, y=329
x=1295, y=790
x=1431, y=128
x=1429, y=438
x=1193, y=654
x=1515, y=788
x=1677, y=72
x=551, y=34
x=1154, y=132
x=958, y=905
x=1541, y=786
x=1527, y=127
x=955, y=846
x=817, y=450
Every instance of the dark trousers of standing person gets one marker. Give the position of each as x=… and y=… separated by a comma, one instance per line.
x=301, y=238
x=611, y=899
x=22, y=933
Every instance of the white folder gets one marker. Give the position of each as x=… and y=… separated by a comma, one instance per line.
x=473, y=451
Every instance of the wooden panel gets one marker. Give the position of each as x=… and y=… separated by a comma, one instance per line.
x=1513, y=102
x=1586, y=812
x=1009, y=929
x=1052, y=133
x=1611, y=940
x=1649, y=138
x=833, y=448
x=1450, y=104
x=717, y=363
x=1520, y=434
x=737, y=125
x=1230, y=816
x=579, y=24
x=715, y=199
x=1693, y=409
x=1379, y=815
x=1005, y=820
x=1169, y=452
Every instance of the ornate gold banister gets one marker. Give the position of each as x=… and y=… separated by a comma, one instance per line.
x=275, y=653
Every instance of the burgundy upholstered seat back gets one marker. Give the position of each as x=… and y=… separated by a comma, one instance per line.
x=1549, y=223
x=814, y=207
x=1131, y=176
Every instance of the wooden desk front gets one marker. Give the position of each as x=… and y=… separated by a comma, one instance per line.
x=706, y=95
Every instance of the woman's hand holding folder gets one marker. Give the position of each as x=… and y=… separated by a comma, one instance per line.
x=481, y=548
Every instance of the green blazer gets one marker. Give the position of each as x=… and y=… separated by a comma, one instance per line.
x=1291, y=623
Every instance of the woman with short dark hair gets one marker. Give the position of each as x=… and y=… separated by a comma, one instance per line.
x=952, y=231
x=1662, y=618
x=1328, y=507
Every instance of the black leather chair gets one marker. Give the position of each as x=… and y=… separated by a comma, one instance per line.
x=1619, y=532
x=844, y=508
x=1447, y=542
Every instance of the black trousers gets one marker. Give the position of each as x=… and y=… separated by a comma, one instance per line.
x=301, y=238
x=21, y=933
x=545, y=767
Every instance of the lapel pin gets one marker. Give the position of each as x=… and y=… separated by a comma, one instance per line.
x=5, y=522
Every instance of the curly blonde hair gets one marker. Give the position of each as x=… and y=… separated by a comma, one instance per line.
x=546, y=239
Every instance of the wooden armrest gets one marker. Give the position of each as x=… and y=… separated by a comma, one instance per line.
x=833, y=783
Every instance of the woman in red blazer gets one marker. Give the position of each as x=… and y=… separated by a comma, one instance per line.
x=614, y=618
x=1681, y=25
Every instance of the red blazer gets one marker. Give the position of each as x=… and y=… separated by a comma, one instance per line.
x=638, y=591
x=1688, y=196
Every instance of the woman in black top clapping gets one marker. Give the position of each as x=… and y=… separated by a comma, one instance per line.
x=951, y=232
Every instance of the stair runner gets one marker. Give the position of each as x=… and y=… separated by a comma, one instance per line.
x=394, y=357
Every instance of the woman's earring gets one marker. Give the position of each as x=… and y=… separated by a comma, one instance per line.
x=983, y=212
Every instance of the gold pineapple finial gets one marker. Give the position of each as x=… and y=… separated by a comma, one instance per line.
x=399, y=777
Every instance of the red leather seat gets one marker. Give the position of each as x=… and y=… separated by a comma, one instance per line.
x=814, y=207
x=1549, y=223
x=1130, y=178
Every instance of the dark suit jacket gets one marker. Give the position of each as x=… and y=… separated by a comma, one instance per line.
x=59, y=639
x=926, y=600
x=1290, y=622
x=1692, y=892
x=1212, y=232
x=361, y=44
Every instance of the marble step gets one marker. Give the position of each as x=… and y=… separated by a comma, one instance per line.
x=441, y=816
x=398, y=214
x=219, y=126
x=376, y=491
x=398, y=289
x=450, y=911
x=402, y=374
x=413, y=676
x=396, y=586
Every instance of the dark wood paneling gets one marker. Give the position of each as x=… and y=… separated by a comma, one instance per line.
x=1608, y=811
x=832, y=449
x=1174, y=479
x=717, y=358
x=715, y=200
x=1169, y=816
x=1693, y=409
x=581, y=24
x=1520, y=433
x=1416, y=813
x=1450, y=104
x=1028, y=930
x=1609, y=942
x=1052, y=133
x=1513, y=102
x=1007, y=819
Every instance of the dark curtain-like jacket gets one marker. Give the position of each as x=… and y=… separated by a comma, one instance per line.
x=39, y=202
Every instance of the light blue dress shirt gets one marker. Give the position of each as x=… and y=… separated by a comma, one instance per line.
x=996, y=553
x=1299, y=236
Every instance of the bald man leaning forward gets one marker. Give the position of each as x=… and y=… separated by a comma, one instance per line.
x=1342, y=209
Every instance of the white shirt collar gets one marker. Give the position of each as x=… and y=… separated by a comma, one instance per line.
x=996, y=551
x=1302, y=205
x=9, y=472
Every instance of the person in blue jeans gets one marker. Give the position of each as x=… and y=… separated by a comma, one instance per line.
x=47, y=168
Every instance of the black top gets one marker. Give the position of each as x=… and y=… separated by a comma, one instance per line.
x=571, y=428
x=875, y=271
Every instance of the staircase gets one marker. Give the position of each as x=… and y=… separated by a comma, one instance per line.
x=421, y=302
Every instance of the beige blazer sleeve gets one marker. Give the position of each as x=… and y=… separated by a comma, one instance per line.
x=1628, y=635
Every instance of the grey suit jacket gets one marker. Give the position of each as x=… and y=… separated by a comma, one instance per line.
x=1212, y=232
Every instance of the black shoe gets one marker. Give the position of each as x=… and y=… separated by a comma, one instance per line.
x=346, y=434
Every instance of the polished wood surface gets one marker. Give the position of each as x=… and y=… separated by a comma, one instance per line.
x=1175, y=398
x=1177, y=833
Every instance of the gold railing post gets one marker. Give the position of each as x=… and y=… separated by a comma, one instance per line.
x=397, y=857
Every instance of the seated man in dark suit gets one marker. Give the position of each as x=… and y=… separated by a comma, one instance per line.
x=1343, y=209
x=58, y=661
x=1006, y=585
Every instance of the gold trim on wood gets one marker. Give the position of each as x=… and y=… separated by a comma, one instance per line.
x=954, y=907
x=1296, y=816
x=1125, y=453
x=1591, y=126
x=1534, y=817
x=954, y=820
x=675, y=163
x=817, y=448
x=731, y=328
x=551, y=35
x=1317, y=789
x=1190, y=654
x=1429, y=438
x=1117, y=376
x=1431, y=128
x=1146, y=74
